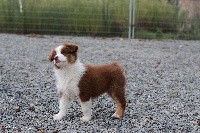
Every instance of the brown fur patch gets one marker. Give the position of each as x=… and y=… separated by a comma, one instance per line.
x=51, y=55
x=70, y=51
x=107, y=78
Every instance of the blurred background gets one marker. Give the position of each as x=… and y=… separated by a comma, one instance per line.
x=146, y=19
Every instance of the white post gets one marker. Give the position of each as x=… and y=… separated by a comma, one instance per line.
x=133, y=24
x=130, y=18
x=20, y=6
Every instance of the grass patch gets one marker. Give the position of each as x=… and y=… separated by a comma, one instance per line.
x=142, y=34
x=155, y=15
x=86, y=17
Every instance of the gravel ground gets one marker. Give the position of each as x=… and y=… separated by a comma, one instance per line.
x=163, y=80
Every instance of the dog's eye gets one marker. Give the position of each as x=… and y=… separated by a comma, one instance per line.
x=64, y=52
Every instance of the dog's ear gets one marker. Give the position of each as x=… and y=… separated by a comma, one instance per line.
x=71, y=48
x=52, y=55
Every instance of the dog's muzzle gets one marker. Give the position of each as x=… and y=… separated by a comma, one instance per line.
x=56, y=60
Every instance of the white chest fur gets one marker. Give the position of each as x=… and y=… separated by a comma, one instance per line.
x=67, y=79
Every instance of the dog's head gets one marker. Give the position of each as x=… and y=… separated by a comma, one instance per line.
x=63, y=55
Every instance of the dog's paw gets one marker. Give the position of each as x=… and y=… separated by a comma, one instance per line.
x=116, y=116
x=57, y=117
x=85, y=119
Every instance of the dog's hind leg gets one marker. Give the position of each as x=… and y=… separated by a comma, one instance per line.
x=117, y=95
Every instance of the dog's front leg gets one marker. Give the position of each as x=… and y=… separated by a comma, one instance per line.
x=64, y=103
x=87, y=111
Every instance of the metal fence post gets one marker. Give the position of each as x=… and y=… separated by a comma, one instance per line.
x=20, y=6
x=132, y=14
x=130, y=18
x=133, y=21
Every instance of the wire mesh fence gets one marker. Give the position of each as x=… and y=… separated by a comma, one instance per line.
x=142, y=18
x=174, y=19
x=69, y=17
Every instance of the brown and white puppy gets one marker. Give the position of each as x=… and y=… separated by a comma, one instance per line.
x=74, y=80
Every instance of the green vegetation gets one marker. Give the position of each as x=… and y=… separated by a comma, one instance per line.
x=161, y=20
x=85, y=17
x=154, y=20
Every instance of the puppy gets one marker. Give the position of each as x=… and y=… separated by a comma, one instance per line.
x=74, y=80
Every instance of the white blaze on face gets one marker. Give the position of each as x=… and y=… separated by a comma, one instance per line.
x=59, y=55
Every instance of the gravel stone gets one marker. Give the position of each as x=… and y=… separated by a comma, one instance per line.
x=198, y=122
x=17, y=109
x=32, y=107
x=162, y=92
